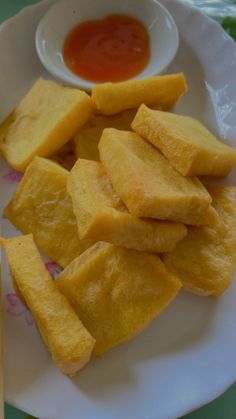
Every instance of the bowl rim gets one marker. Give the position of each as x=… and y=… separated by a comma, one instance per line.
x=71, y=79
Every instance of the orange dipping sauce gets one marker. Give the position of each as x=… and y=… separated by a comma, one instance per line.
x=112, y=49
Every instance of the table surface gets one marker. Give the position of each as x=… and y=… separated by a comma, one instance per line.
x=225, y=406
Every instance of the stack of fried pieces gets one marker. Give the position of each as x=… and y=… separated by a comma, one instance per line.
x=130, y=223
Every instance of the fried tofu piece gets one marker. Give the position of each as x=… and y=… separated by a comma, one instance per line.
x=204, y=260
x=87, y=138
x=116, y=292
x=112, y=98
x=67, y=339
x=102, y=216
x=42, y=206
x=45, y=119
x=148, y=184
x=190, y=147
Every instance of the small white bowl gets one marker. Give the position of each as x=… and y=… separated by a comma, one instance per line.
x=64, y=15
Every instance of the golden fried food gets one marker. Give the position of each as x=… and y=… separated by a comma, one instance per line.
x=87, y=138
x=164, y=91
x=190, y=147
x=116, y=292
x=45, y=119
x=149, y=185
x=101, y=215
x=65, y=336
x=42, y=206
x=204, y=260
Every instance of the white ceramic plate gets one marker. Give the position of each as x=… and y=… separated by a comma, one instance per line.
x=187, y=356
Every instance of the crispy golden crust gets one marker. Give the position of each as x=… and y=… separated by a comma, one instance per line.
x=116, y=292
x=87, y=138
x=164, y=91
x=45, y=119
x=185, y=142
x=149, y=185
x=65, y=336
x=42, y=206
x=101, y=215
x=204, y=260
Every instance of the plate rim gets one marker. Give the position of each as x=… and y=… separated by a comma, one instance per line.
x=205, y=399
